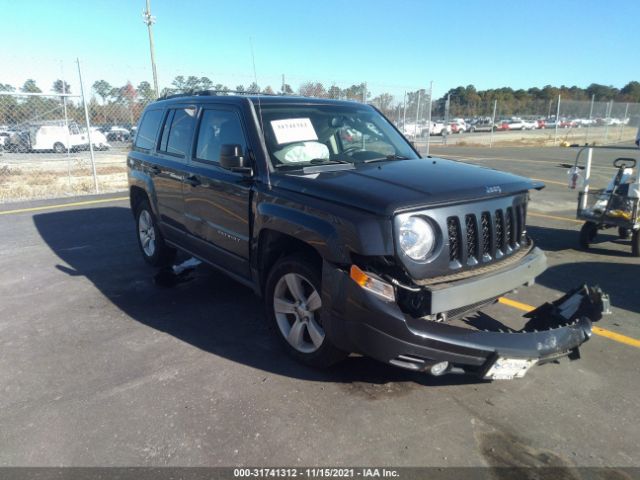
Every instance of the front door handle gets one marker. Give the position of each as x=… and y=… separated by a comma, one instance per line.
x=155, y=170
x=193, y=180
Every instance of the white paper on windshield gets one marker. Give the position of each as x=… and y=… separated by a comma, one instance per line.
x=293, y=130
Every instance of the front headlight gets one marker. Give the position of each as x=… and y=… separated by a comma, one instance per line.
x=416, y=238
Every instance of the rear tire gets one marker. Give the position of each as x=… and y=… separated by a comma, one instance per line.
x=150, y=240
x=293, y=302
x=635, y=243
x=59, y=147
x=588, y=234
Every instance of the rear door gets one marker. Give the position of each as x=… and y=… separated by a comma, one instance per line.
x=217, y=201
x=168, y=171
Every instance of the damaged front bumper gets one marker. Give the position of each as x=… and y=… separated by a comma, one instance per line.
x=359, y=321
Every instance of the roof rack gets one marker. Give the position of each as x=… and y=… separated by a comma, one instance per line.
x=213, y=93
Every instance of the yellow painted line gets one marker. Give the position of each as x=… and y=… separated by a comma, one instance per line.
x=597, y=330
x=63, y=205
x=616, y=336
x=512, y=303
x=553, y=217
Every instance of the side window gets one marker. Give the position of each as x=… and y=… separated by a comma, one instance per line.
x=177, y=131
x=217, y=128
x=148, y=129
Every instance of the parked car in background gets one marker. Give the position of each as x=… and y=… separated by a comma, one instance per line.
x=529, y=124
x=502, y=125
x=458, y=125
x=99, y=139
x=118, y=134
x=515, y=124
x=567, y=123
x=436, y=128
x=481, y=125
x=4, y=139
x=47, y=136
x=541, y=123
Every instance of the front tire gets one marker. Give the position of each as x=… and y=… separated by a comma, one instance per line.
x=293, y=303
x=150, y=240
x=58, y=147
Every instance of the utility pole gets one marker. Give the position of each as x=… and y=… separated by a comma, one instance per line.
x=88, y=124
x=493, y=122
x=593, y=100
x=149, y=20
x=429, y=116
x=555, y=136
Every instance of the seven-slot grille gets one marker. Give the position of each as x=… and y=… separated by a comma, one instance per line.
x=489, y=236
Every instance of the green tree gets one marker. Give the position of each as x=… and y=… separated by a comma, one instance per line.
x=30, y=87
x=5, y=87
x=205, y=83
x=145, y=92
x=218, y=87
x=312, y=89
x=59, y=86
x=179, y=84
x=334, y=92
x=103, y=89
x=192, y=84
x=253, y=88
x=631, y=92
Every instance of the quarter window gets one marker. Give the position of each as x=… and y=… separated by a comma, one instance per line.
x=148, y=129
x=177, y=131
x=217, y=128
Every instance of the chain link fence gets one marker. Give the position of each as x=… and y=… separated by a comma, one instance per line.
x=67, y=144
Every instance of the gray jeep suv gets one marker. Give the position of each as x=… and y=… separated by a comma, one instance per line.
x=355, y=242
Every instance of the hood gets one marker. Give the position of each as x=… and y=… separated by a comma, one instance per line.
x=387, y=187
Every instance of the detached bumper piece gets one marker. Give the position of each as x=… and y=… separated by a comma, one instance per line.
x=361, y=322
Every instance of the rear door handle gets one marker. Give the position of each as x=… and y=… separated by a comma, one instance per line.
x=193, y=180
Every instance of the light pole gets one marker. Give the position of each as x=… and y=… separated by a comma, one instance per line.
x=149, y=20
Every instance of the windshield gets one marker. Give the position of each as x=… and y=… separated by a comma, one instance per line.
x=298, y=136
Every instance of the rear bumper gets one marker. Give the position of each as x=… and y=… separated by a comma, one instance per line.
x=357, y=320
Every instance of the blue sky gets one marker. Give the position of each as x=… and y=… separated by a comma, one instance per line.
x=392, y=45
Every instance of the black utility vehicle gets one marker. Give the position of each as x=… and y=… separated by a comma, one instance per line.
x=355, y=243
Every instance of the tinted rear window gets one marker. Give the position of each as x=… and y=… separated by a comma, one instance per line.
x=148, y=129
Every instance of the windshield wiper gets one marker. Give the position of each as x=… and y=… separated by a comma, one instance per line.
x=326, y=161
x=395, y=156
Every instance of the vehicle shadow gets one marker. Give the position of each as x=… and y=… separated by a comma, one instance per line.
x=606, y=242
x=210, y=312
x=619, y=280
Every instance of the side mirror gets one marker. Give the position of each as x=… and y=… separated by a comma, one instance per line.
x=232, y=159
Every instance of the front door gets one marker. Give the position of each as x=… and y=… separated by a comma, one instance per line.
x=217, y=201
